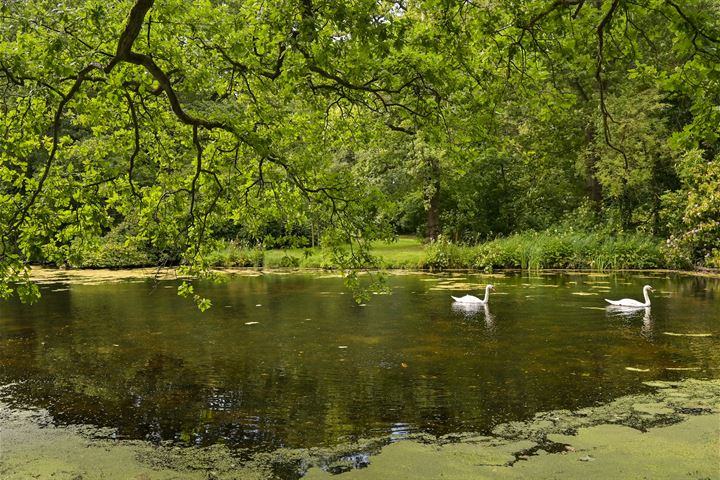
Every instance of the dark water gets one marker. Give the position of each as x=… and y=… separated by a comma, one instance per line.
x=317, y=369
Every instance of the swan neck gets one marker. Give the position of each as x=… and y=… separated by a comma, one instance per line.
x=487, y=294
x=647, y=297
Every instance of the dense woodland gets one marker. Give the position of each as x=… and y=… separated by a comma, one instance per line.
x=162, y=130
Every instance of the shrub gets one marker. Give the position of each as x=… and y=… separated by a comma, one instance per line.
x=550, y=251
x=111, y=254
x=289, y=261
x=497, y=254
x=235, y=256
x=441, y=254
x=693, y=212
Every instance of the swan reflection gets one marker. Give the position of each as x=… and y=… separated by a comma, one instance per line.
x=472, y=310
x=647, y=327
x=633, y=313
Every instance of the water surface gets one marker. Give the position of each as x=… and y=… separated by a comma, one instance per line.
x=293, y=361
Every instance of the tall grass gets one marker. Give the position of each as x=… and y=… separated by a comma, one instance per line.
x=577, y=250
x=534, y=251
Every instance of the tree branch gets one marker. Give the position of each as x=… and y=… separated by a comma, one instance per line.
x=600, y=31
x=131, y=32
x=19, y=217
x=136, y=149
x=692, y=25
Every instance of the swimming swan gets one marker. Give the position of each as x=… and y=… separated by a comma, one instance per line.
x=629, y=302
x=473, y=299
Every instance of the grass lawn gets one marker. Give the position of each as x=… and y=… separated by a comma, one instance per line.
x=406, y=252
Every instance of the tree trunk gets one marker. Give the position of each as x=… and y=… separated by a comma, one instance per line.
x=432, y=224
x=592, y=186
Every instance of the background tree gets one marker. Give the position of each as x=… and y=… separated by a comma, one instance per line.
x=164, y=127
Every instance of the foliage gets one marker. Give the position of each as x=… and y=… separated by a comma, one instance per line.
x=570, y=249
x=110, y=254
x=441, y=254
x=199, y=127
x=695, y=212
x=233, y=255
x=299, y=124
x=630, y=168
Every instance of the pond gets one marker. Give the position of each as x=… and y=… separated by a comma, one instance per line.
x=292, y=361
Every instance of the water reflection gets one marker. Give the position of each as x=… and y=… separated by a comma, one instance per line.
x=647, y=327
x=467, y=309
x=400, y=430
x=473, y=310
x=628, y=314
x=309, y=367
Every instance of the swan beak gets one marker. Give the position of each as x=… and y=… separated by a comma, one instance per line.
x=492, y=289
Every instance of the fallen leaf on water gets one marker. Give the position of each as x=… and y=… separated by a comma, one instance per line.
x=583, y=293
x=251, y=323
x=688, y=334
x=259, y=305
x=342, y=346
x=586, y=458
x=633, y=369
x=404, y=365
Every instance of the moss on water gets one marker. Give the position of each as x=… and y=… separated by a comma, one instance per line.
x=671, y=432
x=661, y=435
x=30, y=448
x=685, y=450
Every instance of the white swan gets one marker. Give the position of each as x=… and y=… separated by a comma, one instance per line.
x=629, y=302
x=473, y=299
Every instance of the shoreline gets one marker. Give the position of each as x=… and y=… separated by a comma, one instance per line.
x=49, y=274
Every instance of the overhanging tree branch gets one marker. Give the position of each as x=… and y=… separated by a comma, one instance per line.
x=136, y=138
x=600, y=32
x=20, y=215
x=131, y=32
x=692, y=24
